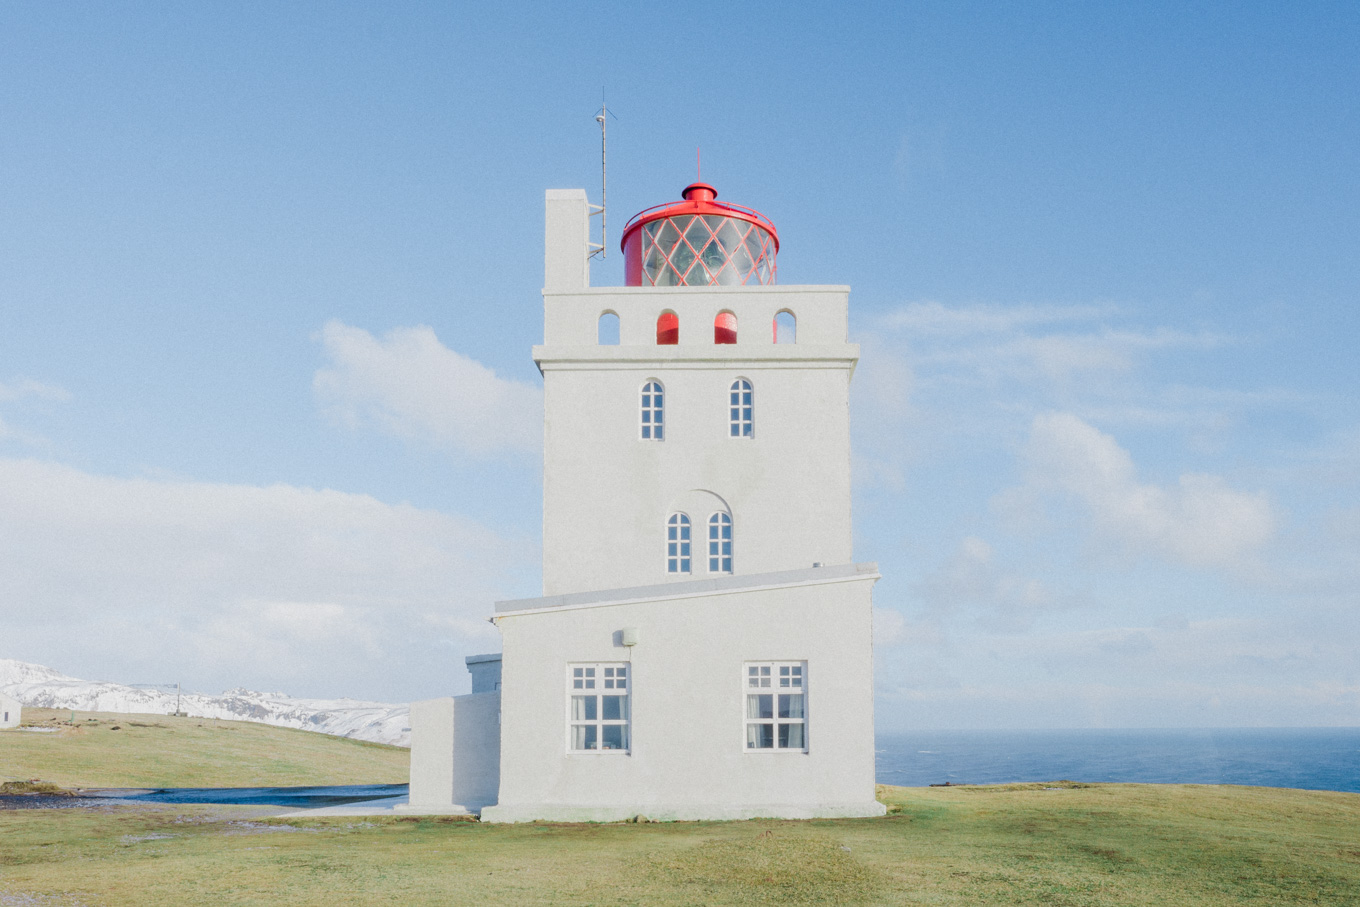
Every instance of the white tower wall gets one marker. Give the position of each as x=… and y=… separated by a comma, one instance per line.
x=607, y=492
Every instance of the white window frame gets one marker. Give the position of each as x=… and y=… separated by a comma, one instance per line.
x=679, y=543
x=596, y=680
x=779, y=678
x=720, y=561
x=741, y=413
x=652, y=411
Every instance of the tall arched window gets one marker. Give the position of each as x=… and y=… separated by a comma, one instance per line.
x=653, y=412
x=741, y=409
x=607, y=331
x=668, y=329
x=720, y=543
x=785, y=327
x=677, y=544
x=725, y=328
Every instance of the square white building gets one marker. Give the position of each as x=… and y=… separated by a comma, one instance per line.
x=703, y=647
x=11, y=711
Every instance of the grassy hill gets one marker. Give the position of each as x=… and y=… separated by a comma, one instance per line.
x=98, y=749
x=1071, y=845
x=1089, y=846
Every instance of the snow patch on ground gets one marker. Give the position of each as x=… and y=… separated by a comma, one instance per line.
x=41, y=687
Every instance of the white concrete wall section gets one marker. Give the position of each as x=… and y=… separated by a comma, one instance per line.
x=11, y=711
x=571, y=317
x=688, y=755
x=607, y=494
x=566, y=265
x=455, y=754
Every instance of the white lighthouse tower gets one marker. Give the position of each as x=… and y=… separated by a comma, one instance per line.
x=703, y=647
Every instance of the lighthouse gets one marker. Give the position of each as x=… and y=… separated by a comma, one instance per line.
x=702, y=647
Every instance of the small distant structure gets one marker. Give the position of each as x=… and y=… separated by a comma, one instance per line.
x=11, y=711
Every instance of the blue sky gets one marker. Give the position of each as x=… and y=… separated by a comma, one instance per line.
x=269, y=277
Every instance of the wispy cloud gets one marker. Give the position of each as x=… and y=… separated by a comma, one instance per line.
x=19, y=388
x=408, y=384
x=285, y=584
x=1200, y=521
x=936, y=318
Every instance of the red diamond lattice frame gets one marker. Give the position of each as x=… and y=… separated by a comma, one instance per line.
x=706, y=250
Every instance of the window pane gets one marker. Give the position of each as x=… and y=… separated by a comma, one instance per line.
x=791, y=705
x=583, y=737
x=791, y=736
x=668, y=235
x=583, y=708
x=615, y=708
x=759, y=705
x=759, y=736
x=615, y=737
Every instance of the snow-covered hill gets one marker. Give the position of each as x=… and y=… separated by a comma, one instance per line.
x=40, y=687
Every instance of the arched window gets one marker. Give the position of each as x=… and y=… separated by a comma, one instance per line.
x=725, y=328
x=720, y=543
x=653, y=412
x=668, y=329
x=785, y=327
x=607, y=332
x=677, y=544
x=741, y=409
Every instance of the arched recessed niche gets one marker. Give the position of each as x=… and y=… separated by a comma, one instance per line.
x=725, y=328
x=668, y=329
x=607, y=331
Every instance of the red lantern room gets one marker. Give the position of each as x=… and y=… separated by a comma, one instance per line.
x=699, y=242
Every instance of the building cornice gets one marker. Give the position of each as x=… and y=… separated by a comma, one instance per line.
x=775, y=290
x=700, y=588
x=834, y=356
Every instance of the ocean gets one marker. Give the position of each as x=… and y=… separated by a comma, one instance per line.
x=1307, y=758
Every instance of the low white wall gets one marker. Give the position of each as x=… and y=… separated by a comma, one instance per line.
x=688, y=756
x=455, y=754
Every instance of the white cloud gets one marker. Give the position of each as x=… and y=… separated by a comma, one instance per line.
x=21, y=389
x=239, y=584
x=1200, y=521
x=1223, y=672
x=26, y=387
x=970, y=580
x=936, y=318
x=889, y=626
x=409, y=384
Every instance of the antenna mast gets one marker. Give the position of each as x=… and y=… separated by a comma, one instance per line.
x=602, y=249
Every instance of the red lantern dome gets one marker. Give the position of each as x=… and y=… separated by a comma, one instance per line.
x=699, y=242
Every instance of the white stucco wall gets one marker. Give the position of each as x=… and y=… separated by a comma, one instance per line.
x=688, y=757
x=607, y=493
x=455, y=754
x=11, y=711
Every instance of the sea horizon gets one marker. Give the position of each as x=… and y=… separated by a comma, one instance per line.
x=1307, y=758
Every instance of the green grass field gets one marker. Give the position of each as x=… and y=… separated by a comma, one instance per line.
x=1107, y=844
x=159, y=751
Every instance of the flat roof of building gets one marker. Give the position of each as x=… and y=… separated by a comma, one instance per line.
x=809, y=576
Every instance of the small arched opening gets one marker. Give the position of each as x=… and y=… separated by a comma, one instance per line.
x=668, y=329
x=785, y=327
x=607, y=332
x=725, y=328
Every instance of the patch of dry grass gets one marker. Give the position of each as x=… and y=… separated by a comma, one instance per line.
x=1022, y=844
x=99, y=749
